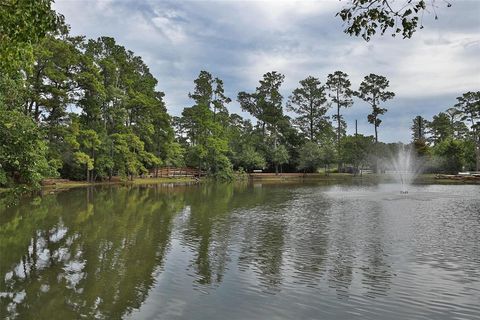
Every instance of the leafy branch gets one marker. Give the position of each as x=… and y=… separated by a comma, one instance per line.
x=367, y=17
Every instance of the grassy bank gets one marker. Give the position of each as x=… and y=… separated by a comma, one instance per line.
x=147, y=181
x=345, y=177
x=264, y=178
x=431, y=179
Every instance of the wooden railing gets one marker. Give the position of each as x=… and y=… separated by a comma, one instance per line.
x=175, y=172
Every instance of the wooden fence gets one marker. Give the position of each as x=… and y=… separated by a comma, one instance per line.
x=171, y=172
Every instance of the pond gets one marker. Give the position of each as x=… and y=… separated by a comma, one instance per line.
x=243, y=251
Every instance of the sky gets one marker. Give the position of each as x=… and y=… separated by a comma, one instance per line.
x=239, y=41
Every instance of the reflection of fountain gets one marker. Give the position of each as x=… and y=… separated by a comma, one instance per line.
x=404, y=168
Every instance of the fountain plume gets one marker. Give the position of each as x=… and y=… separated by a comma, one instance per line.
x=404, y=167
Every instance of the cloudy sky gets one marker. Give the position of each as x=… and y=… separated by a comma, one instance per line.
x=239, y=41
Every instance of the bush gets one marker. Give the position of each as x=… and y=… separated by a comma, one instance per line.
x=23, y=160
x=450, y=155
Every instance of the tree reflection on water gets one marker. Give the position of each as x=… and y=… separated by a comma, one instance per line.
x=98, y=252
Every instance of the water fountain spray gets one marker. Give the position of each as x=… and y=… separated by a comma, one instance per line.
x=405, y=168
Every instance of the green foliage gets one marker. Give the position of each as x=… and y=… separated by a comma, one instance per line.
x=454, y=136
x=419, y=126
x=129, y=156
x=309, y=102
x=469, y=155
x=23, y=161
x=265, y=103
x=373, y=91
x=421, y=148
x=310, y=157
x=12, y=91
x=469, y=108
x=249, y=159
x=275, y=133
x=340, y=93
x=204, y=124
x=367, y=17
x=118, y=122
x=175, y=154
x=329, y=153
x=83, y=159
x=451, y=155
x=440, y=128
x=279, y=155
x=51, y=84
x=355, y=150
x=223, y=168
x=22, y=24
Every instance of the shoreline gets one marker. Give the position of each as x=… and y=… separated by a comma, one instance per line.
x=423, y=179
x=271, y=177
x=428, y=178
x=64, y=185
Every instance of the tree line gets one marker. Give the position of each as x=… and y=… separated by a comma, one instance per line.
x=87, y=109
x=450, y=141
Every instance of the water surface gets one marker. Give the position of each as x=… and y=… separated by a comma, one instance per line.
x=248, y=251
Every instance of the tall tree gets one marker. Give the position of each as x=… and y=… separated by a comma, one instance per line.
x=453, y=113
x=220, y=100
x=469, y=106
x=206, y=138
x=265, y=104
x=309, y=103
x=244, y=142
x=118, y=95
x=23, y=152
x=52, y=83
x=210, y=92
x=373, y=91
x=419, y=126
x=203, y=91
x=440, y=128
x=23, y=23
x=340, y=92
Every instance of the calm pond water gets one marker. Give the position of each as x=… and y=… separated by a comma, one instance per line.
x=243, y=251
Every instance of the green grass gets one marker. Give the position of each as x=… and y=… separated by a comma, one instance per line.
x=332, y=177
x=146, y=181
x=372, y=178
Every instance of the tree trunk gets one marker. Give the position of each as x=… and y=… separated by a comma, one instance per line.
x=476, y=138
x=276, y=169
x=338, y=135
x=311, y=121
x=93, y=175
x=36, y=114
x=338, y=124
x=478, y=153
